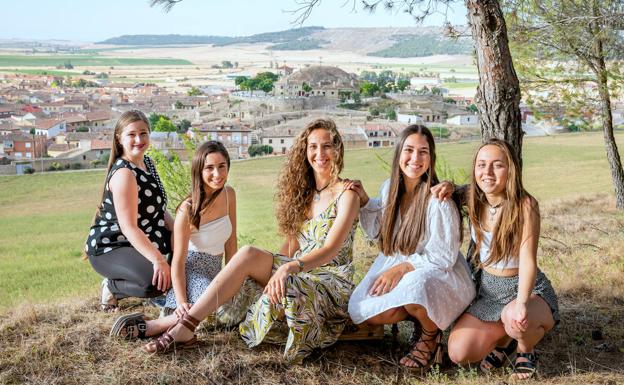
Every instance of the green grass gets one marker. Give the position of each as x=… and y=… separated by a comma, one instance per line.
x=44, y=218
x=42, y=72
x=460, y=85
x=81, y=60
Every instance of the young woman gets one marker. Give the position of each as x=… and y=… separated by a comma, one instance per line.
x=204, y=233
x=515, y=304
x=419, y=272
x=131, y=234
x=308, y=283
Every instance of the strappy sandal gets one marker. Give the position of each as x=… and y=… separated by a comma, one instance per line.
x=108, y=302
x=130, y=327
x=429, y=357
x=499, y=356
x=525, y=367
x=165, y=343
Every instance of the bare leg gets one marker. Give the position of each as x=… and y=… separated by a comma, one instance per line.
x=424, y=346
x=247, y=262
x=540, y=320
x=389, y=316
x=472, y=339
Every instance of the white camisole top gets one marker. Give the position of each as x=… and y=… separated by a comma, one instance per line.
x=484, y=252
x=210, y=238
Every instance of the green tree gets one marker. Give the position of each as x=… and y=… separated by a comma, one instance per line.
x=164, y=125
x=369, y=89
x=154, y=118
x=306, y=88
x=82, y=129
x=183, y=126
x=561, y=45
x=226, y=64
x=194, y=91
x=402, y=84
x=178, y=105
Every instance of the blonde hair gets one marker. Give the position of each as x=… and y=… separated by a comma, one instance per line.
x=507, y=232
x=296, y=184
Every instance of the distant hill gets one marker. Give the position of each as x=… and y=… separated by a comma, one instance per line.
x=279, y=37
x=385, y=42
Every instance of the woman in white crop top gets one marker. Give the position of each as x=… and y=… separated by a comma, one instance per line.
x=204, y=234
x=515, y=304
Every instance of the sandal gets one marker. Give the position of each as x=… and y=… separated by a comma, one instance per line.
x=108, y=302
x=429, y=357
x=166, y=343
x=126, y=326
x=525, y=367
x=499, y=356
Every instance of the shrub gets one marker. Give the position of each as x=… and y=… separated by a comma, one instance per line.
x=29, y=170
x=76, y=166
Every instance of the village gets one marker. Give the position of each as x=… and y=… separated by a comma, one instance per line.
x=48, y=123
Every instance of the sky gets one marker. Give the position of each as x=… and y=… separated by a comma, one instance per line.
x=96, y=20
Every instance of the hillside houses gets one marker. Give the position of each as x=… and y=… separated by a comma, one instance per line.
x=330, y=82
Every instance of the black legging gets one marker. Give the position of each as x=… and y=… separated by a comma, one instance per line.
x=129, y=273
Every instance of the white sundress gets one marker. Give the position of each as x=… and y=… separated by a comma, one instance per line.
x=440, y=281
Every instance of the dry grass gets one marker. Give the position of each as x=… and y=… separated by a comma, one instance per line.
x=581, y=252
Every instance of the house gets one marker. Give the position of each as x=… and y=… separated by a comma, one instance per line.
x=281, y=137
x=50, y=127
x=379, y=135
x=22, y=146
x=464, y=119
x=409, y=117
x=7, y=110
x=232, y=131
x=327, y=81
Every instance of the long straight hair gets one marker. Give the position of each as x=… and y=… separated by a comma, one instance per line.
x=126, y=119
x=413, y=224
x=507, y=232
x=198, y=197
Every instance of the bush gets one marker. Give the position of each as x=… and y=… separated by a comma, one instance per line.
x=29, y=170
x=54, y=166
x=76, y=166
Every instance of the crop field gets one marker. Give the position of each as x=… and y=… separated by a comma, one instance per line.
x=83, y=60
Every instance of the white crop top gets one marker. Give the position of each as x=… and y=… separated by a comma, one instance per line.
x=484, y=252
x=211, y=236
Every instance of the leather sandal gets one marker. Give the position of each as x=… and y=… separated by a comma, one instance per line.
x=165, y=343
x=129, y=327
x=525, y=367
x=499, y=356
x=429, y=357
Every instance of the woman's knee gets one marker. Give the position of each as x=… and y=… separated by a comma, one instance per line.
x=460, y=349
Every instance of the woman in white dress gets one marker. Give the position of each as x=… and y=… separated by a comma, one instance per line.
x=419, y=272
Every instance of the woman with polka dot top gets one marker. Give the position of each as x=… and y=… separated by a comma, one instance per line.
x=131, y=235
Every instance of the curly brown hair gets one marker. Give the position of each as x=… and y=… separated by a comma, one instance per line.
x=296, y=185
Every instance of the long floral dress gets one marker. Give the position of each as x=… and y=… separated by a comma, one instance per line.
x=316, y=301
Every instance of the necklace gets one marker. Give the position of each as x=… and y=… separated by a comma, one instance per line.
x=493, y=209
x=317, y=194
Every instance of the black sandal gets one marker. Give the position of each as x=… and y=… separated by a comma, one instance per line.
x=526, y=367
x=429, y=357
x=126, y=326
x=495, y=360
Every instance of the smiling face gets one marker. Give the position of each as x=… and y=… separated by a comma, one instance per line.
x=320, y=151
x=134, y=139
x=491, y=170
x=215, y=171
x=415, y=157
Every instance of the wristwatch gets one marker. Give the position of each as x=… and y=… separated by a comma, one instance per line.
x=300, y=263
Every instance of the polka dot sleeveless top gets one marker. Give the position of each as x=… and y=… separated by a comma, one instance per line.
x=105, y=234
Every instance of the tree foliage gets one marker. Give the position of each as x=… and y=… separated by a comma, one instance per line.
x=563, y=50
x=164, y=125
x=259, y=149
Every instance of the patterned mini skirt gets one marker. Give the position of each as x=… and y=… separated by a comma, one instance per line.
x=495, y=292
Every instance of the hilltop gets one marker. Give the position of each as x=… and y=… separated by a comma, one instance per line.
x=383, y=42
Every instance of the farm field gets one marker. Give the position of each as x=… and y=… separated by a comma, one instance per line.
x=83, y=60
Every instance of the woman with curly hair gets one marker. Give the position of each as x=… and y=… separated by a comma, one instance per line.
x=307, y=284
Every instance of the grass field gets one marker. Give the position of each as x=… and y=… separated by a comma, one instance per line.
x=44, y=221
x=82, y=60
x=44, y=217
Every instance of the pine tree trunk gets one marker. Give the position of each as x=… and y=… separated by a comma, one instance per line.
x=498, y=94
x=613, y=156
